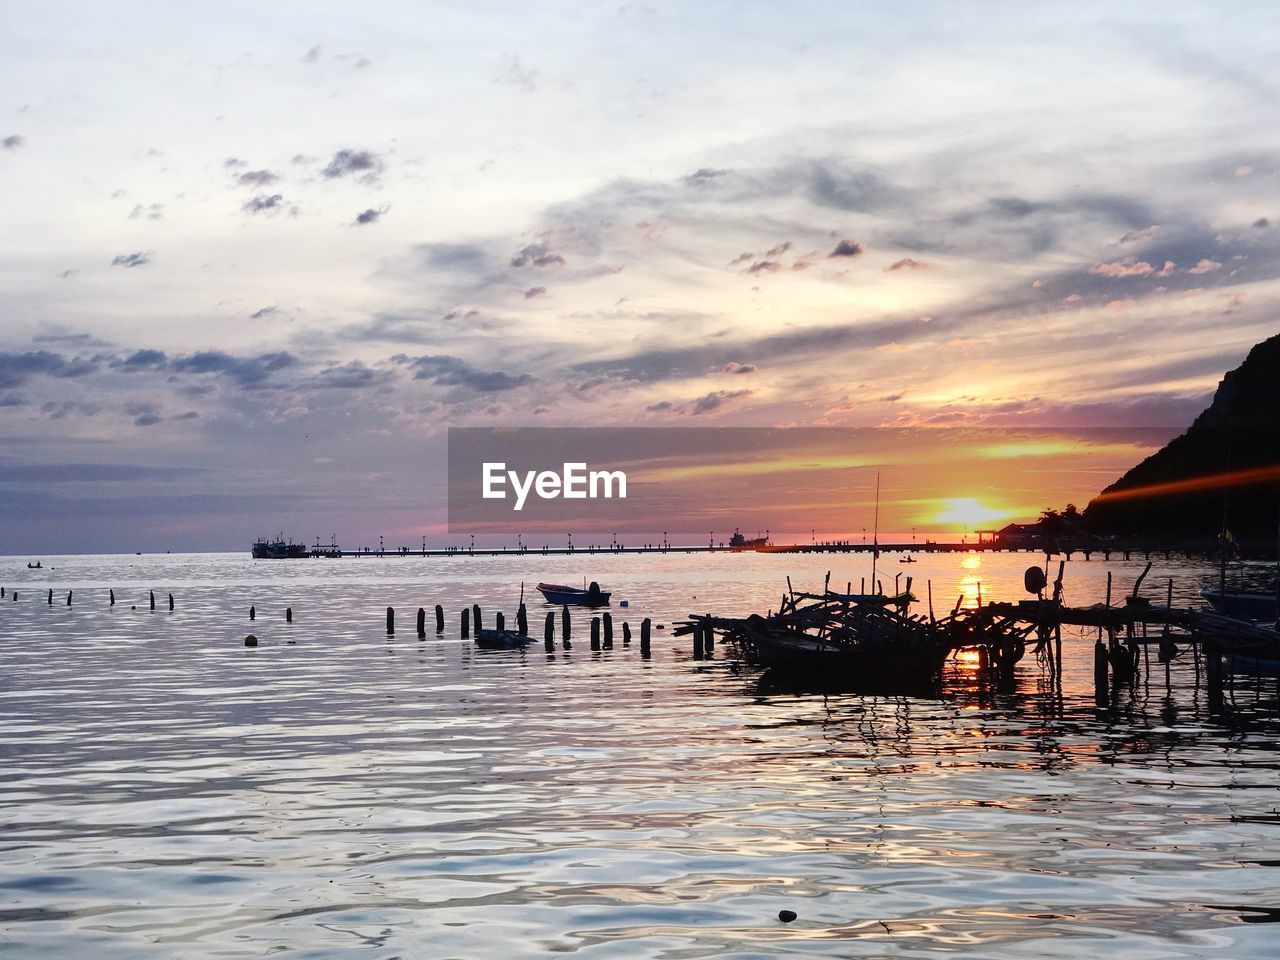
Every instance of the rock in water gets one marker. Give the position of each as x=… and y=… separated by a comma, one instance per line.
x=786, y=916
x=251, y=641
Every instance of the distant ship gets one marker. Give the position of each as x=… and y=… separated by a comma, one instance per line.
x=739, y=542
x=278, y=549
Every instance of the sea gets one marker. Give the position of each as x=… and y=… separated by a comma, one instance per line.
x=166, y=791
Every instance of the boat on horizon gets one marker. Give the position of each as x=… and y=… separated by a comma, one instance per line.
x=278, y=549
x=739, y=542
x=562, y=595
x=34, y=566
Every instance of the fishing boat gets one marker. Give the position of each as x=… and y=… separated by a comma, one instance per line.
x=562, y=595
x=907, y=560
x=501, y=639
x=1244, y=605
x=34, y=566
x=278, y=549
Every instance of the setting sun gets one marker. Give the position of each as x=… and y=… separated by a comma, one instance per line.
x=969, y=511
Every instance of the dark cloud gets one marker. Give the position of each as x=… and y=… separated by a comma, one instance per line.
x=778, y=250
x=12, y=400
x=263, y=204
x=833, y=184
x=1262, y=223
x=535, y=292
x=661, y=406
x=257, y=178
x=764, y=266
x=72, y=339
x=142, y=360
x=144, y=414
x=846, y=248
x=13, y=141
x=368, y=216
x=150, y=211
x=906, y=263
x=735, y=367
x=347, y=162
x=231, y=163
x=454, y=256
x=17, y=368
x=348, y=376
x=138, y=259
x=263, y=313
x=537, y=255
x=246, y=371
x=702, y=176
x=312, y=55
x=741, y=258
x=453, y=372
x=716, y=399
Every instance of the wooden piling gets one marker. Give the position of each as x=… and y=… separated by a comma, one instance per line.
x=708, y=638
x=697, y=642
x=645, y=626
x=564, y=627
x=391, y=620
x=171, y=603
x=608, y=631
x=595, y=633
x=626, y=633
x=111, y=592
x=475, y=617
x=253, y=613
x=439, y=618
x=522, y=620
x=1100, y=661
x=422, y=623
x=549, y=631
x=499, y=621
x=288, y=614
x=466, y=623
x=51, y=596
x=153, y=599
x=68, y=598
x=251, y=641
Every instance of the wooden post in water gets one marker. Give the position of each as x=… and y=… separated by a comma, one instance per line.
x=1100, y=669
x=564, y=627
x=499, y=621
x=608, y=631
x=171, y=603
x=466, y=623
x=697, y=641
x=422, y=623
x=51, y=596
x=645, y=625
x=475, y=617
x=391, y=620
x=68, y=598
x=253, y=613
x=708, y=637
x=439, y=619
x=626, y=633
x=549, y=633
x=522, y=620
x=595, y=633
x=153, y=599
x=112, y=594
x=288, y=614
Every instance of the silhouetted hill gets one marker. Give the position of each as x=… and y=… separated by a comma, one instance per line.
x=1240, y=431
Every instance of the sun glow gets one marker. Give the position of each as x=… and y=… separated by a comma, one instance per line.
x=969, y=511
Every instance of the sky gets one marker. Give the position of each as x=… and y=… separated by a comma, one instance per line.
x=257, y=258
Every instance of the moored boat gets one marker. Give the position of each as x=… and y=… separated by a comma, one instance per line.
x=278, y=549
x=562, y=595
x=1244, y=605
x=501, y=639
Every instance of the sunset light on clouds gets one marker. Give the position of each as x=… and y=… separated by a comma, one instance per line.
x=279, y=266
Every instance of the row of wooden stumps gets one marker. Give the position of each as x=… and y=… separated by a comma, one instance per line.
x=111, y=598
x=471, y=618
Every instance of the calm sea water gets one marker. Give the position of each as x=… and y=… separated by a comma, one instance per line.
x=166, y=792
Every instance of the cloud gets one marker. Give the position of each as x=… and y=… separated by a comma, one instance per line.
x=257, y=178
x=703, y=176
x=453, y=372
x=778, y=250
x=513, y=73
x=661, y=406
x=142, y=360
x=368, y=216
x=535, y=292
x=1140, y=236
x=537, y=255
x=1122, y=268
x=348, y=376
x=263, y=313
x=906, y=263
x=1167, y=270
x=716, y=399
x=347, y=162
x=138, y=259
x=231, y=163
x=1205, y=266
x=846, y=248
x=145, y=414
x=312, y=55
x=741, y=258
x=151, y=211
x=246, y=371
x=764, y=266
x=1262, y=223
x=263, y=204
x=13, y=141
x=17, y=368
x=734, y=367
